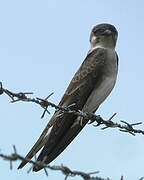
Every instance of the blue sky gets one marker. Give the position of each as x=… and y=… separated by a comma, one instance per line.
x=42, y=44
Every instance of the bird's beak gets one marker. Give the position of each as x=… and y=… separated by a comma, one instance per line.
x=107, y=32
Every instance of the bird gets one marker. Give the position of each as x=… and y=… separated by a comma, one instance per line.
x=90, y=86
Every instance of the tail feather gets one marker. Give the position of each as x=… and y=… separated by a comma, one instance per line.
x=38, y=145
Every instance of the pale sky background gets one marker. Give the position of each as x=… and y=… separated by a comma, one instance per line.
x=42, y=44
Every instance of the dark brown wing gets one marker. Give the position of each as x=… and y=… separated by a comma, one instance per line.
x=86, y=76
x=80, y=88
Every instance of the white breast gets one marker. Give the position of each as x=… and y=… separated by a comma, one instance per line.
x=99, y=94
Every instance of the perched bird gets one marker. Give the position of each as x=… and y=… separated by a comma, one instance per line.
x=89, y=87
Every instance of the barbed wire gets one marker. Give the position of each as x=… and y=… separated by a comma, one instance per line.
x=67, y=172
x=44, y=103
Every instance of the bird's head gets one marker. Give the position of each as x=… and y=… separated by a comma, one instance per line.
x=103, y=35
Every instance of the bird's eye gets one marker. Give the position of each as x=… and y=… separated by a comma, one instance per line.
x=99, y=31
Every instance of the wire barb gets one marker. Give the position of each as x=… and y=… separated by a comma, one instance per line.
x=1, y=88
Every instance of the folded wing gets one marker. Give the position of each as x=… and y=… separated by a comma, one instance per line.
x=64, y=129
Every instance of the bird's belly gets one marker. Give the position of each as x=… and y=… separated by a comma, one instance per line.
x=99, y=94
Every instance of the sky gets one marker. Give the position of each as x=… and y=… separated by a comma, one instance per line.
x=42, y=44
